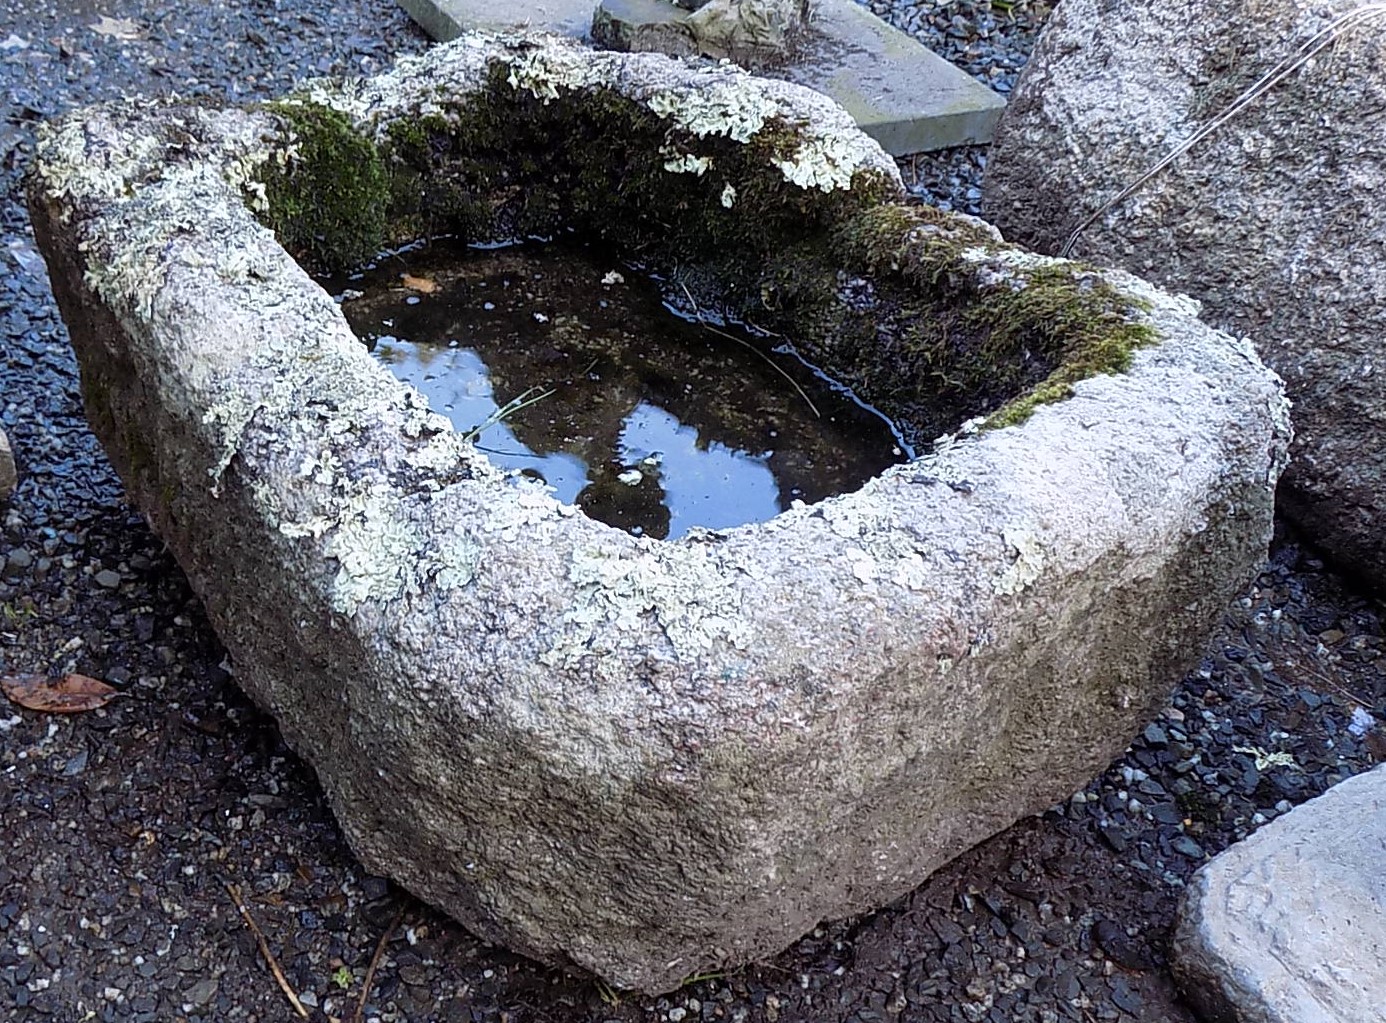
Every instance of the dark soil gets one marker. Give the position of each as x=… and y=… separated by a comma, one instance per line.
x=121, y=829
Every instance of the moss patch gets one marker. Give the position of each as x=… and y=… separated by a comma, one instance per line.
x=329, y=202
x=1081, y=324
x=923, y=314
x=935, y=322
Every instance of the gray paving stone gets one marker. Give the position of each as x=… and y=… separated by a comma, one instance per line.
x=1289, y=926
x=903, y=95
x=448, y=19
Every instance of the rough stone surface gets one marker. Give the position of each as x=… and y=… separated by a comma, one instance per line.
x=643, y=26
x=9, y=477
x=1277, y=223
x=1289, y=926
x=755, y=33
x=642, y=758
x=758, y=30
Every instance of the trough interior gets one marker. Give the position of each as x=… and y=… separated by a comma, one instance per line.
x=873, y=288
x=581, y=373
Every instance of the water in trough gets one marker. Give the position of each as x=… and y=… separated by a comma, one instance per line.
x=643, y=412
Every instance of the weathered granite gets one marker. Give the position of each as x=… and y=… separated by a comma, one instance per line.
x=1289, y=926
x=643, y=26
x=1277, y=223
x=759, y=31
x=648, y=759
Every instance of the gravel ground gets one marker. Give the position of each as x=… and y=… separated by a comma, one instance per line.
x=121, y=829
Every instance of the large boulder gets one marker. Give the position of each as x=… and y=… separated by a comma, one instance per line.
x=1289, y=926
x=1276, y=223
x=648, y=759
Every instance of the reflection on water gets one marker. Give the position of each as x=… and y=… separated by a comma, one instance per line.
x=645, y=420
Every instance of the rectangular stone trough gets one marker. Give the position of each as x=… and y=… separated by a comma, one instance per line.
x=638, y=758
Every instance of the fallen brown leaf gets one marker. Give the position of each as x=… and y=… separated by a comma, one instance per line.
x=117, y=28
x=57, y=694
x=420, y=284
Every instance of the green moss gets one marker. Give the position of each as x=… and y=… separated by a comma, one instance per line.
x=1088, y=327
x=932, y=341
x=876, y=291
x=329, y=204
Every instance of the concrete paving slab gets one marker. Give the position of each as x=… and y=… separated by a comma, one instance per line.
x=903, y=95
x=1289, y=926
x=448, y=19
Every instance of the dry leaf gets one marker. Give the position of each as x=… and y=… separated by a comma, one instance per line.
x=423, y=285
x=117, y=28
x=62, y=694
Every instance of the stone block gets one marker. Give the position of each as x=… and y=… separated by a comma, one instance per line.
x=448, y=19
x=648, y=759
x=1289, y=925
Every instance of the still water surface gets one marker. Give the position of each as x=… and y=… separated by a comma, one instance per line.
x=646, y=420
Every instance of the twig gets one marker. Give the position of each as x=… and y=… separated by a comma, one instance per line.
x=235, y=892
x=769, y=361
x=375, y=963
x=1282, y=70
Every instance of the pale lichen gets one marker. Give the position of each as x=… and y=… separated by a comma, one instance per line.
x=1028, y=564
x=683, y=588
x=72, y=167
x=822, y=163
x=734, y=109
x=545, y=73
x=382, y=556
x=874, y=527
x=687, y=163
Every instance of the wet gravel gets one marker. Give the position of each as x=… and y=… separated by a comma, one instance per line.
x=120, y=829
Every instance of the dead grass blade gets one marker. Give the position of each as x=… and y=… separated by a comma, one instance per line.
x=369, y=980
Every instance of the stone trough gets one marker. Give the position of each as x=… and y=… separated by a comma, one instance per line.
x=638, y=758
